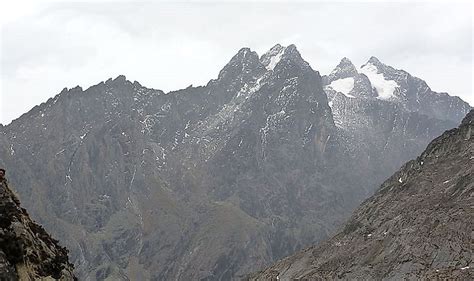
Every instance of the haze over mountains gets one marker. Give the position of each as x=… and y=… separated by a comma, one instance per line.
x=418, y=225
x=217, y=181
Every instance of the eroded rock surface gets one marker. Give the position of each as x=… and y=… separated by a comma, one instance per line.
x=27, y=252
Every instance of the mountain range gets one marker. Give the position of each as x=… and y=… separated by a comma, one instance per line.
x=217, y=181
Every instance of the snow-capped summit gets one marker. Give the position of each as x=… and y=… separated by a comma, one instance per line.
x=384, y=87
x=345, y=79
x=375, y=80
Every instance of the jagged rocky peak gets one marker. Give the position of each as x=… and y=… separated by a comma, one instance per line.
x=380, y=83
x=246, y=67
x=245, y=61
x=279, y=53
x=346, y=61
x=245, y=54
x=271, y=58
x=375, y=61
x=27, y=251
x=119, y=80
x=384, y=79
x=344, y=69
x=294, y=56
x=347, y=80
x=374, y=65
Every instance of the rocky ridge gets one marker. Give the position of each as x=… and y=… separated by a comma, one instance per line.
x=27, y=251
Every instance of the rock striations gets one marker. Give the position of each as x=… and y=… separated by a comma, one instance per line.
x=418, y=225
x=27, y=251
x=216, y=181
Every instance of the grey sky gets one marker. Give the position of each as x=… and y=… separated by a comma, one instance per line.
x=51, y=45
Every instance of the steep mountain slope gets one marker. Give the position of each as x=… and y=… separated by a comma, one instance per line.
x=27, y=252
x=382, y=82
x=418, y=224
x=386, y=114
x=206, y=182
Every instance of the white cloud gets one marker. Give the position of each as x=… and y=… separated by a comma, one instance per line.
x=168, y=46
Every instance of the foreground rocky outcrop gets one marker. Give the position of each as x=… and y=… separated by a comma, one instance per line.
x=27, y=252
x=418, y=225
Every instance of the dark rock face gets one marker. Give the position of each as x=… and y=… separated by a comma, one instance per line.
x=206, y=182
x=27, y=252
x=382, y=82
x=382, y=126
x=418, y=225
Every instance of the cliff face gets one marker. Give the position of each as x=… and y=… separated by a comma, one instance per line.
x=27, y=252
x=418, y=225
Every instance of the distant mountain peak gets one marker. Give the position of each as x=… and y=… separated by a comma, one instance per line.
x=345, y=68
x=244, y=55
x=278, y=47
x=346, y=61
x=120, y=78
x=244, y=62
x=271, y=58
x=279, y=53
x=292, y=49
x=374, y=79
x=375, y=61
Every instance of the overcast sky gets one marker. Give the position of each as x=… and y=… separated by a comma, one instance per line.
x=46, y=46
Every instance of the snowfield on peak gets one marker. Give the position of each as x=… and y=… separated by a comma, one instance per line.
x=385, y=88
x=343, y=86
x=275, y=59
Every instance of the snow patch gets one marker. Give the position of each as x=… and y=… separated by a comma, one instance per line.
x=385, y=88
x=275, y=59
x=343, y=86
x=59, y=152
x=330, y=103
